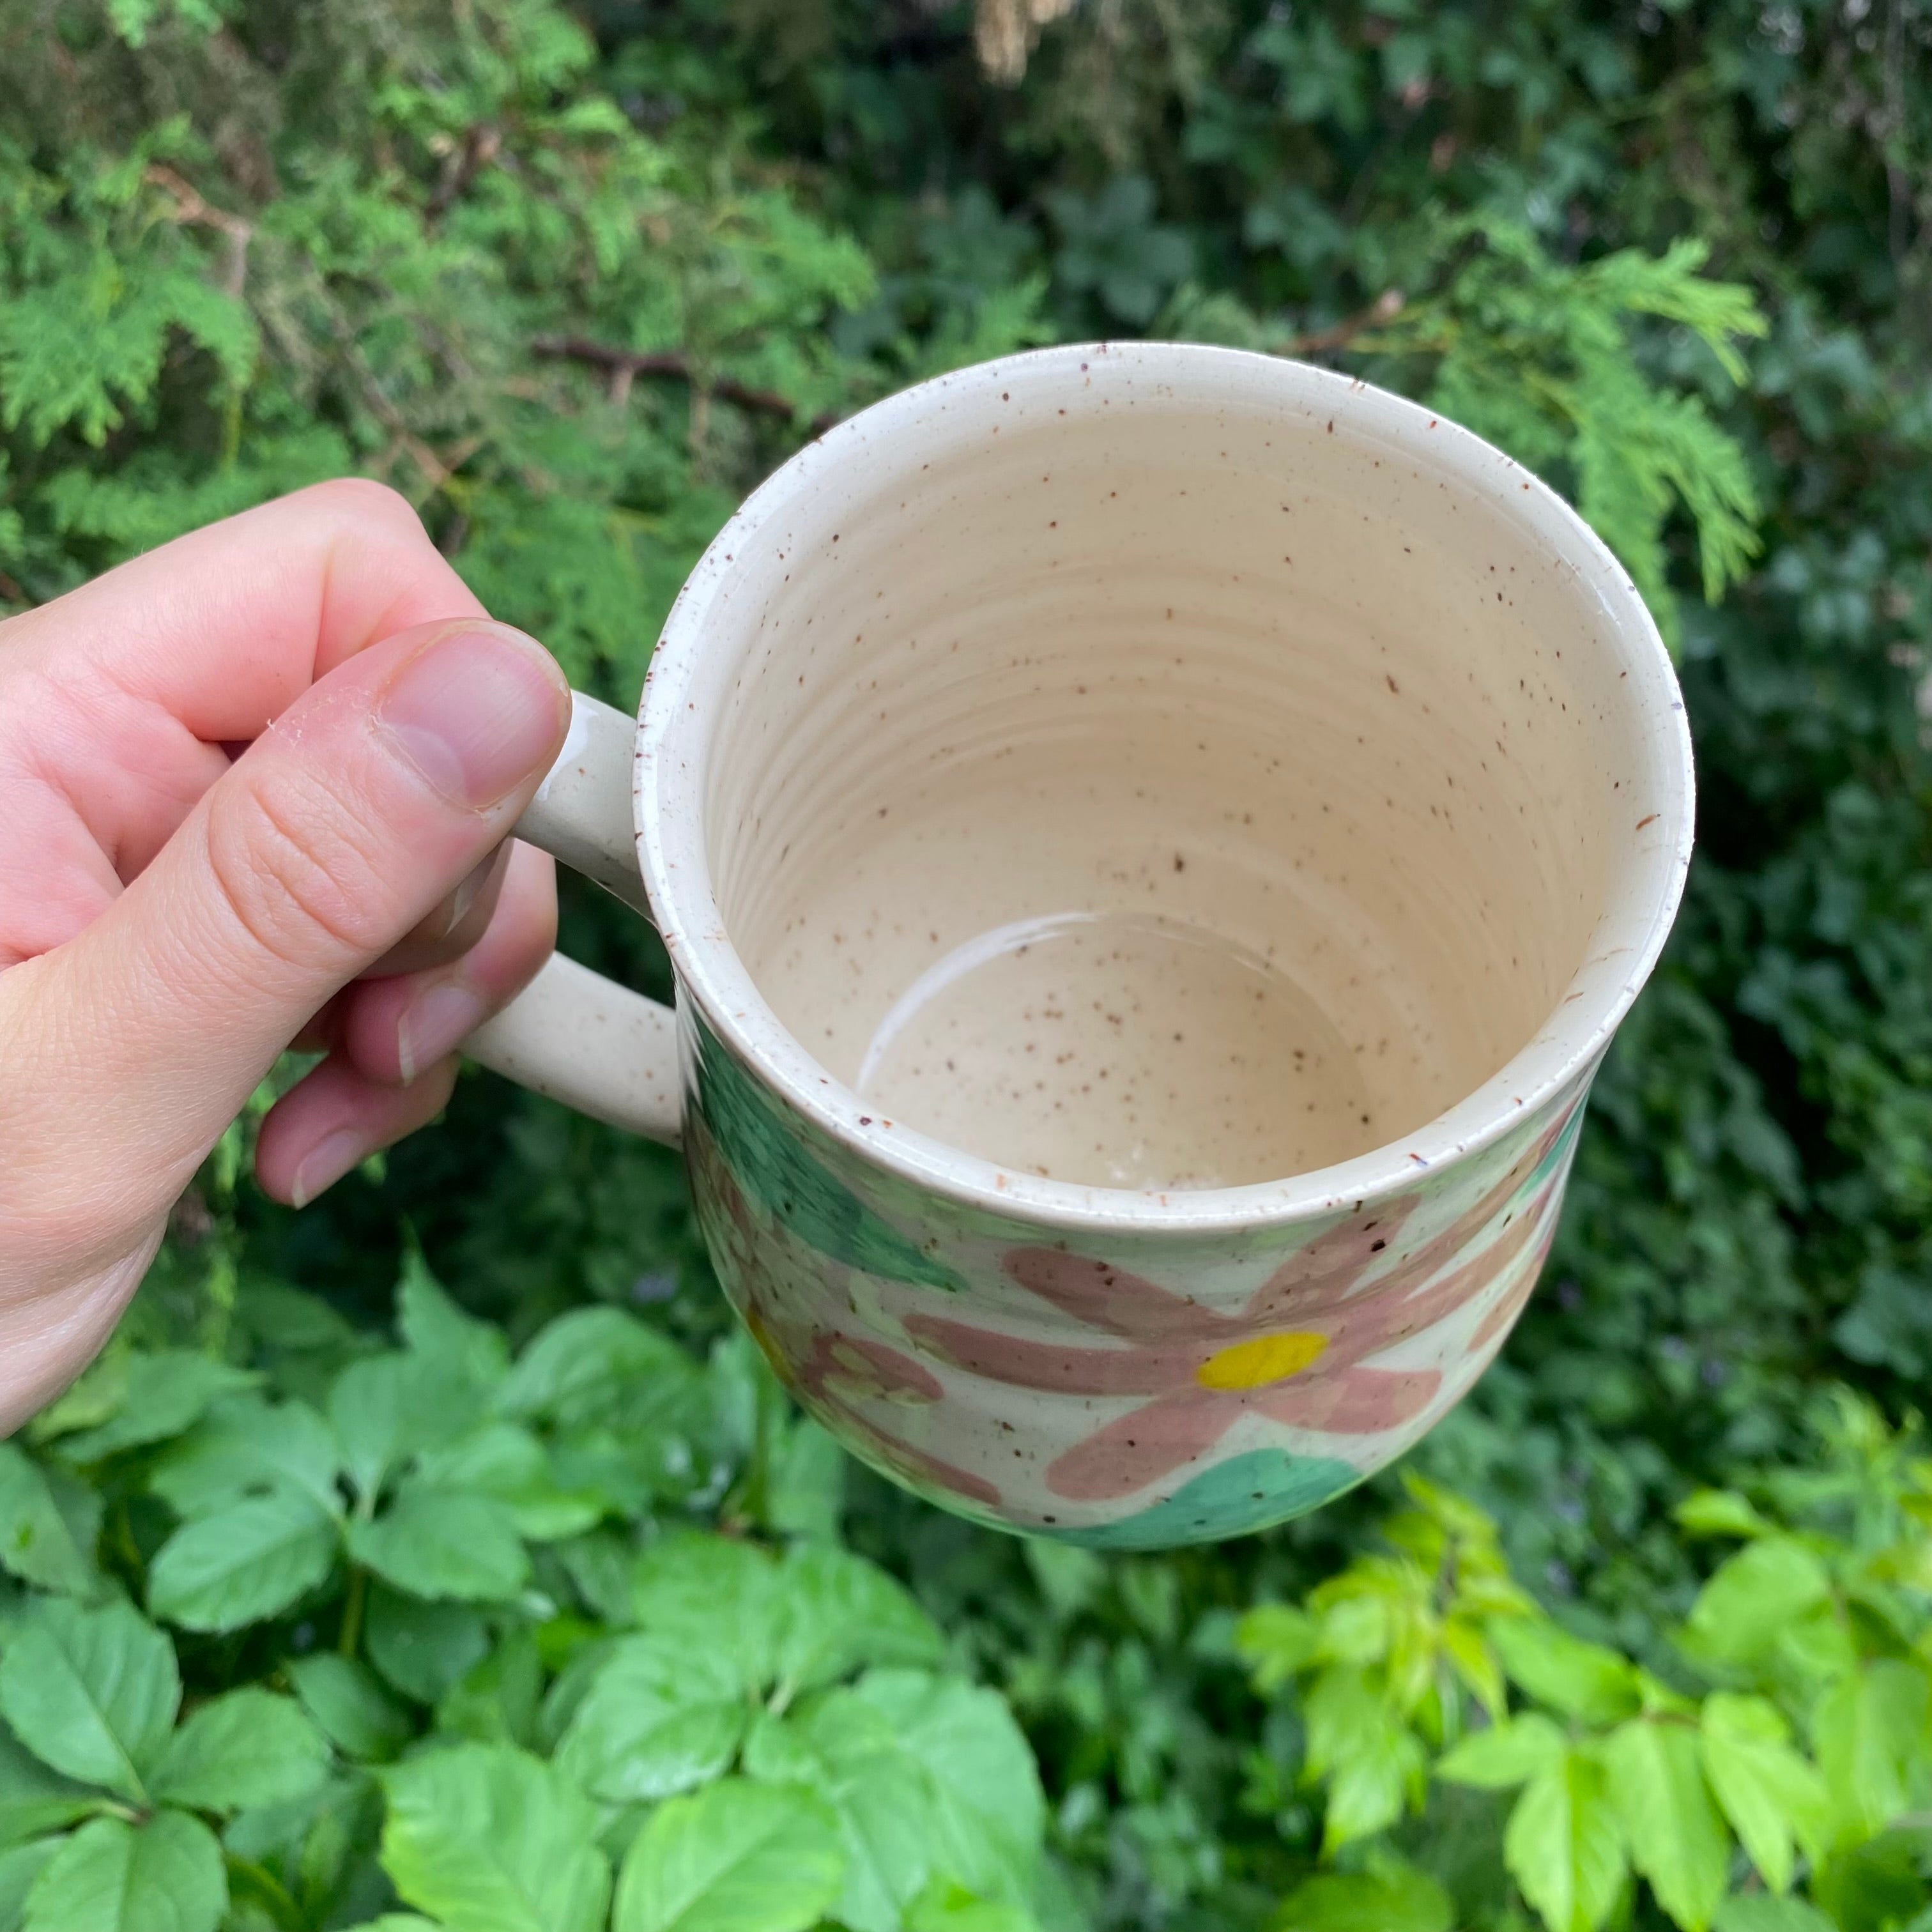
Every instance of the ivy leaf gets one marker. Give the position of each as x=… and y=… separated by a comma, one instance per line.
x=489, y=1839
x=246, y=1446
x=248, y=1748
x=658, y=1718
x=433, y=1326
x=444, y=1545
x=838, y=1613
x=91, y=1693
x=248, y=1563
x=386, y=1408
x=356, y=1714
x=1563, y=1847
x=1510, y=1753
x=34, y=1798
x=1770, y=1795
x=423, y=1649
x=36, y=1545
x=164, y=1876
x=1582, y=1680
x=1400, y=1899
x=1677, y=1840
x=1754, y=1596
x=167, y=1392
x=738, y=1857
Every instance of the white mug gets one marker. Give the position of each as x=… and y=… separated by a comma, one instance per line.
x=1253, y=682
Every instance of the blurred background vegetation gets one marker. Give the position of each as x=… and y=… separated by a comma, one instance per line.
x=574, y=278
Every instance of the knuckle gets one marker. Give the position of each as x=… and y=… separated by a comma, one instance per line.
x=361, y=500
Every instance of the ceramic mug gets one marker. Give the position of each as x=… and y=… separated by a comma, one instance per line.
x=1192, y=641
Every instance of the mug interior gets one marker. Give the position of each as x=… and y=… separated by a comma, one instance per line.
x=1311, y=717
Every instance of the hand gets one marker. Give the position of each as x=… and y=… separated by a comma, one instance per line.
x=254, y=790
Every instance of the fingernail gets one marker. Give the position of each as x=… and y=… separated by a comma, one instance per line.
x=476, y=713
x=325, y=1163
x=434, y=1023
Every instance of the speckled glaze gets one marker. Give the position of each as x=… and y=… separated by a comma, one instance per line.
x=1361, y=695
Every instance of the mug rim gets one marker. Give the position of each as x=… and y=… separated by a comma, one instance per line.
x=670, y=827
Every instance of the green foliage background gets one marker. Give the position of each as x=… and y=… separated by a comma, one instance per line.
x=573, y=279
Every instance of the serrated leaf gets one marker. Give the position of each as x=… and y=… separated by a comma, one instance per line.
x=167, y=1392
x=356, y=1714
x=249, y=1561
x=1868, y=1732
x=164, y=1876
x=1677, y=1840
x=1563, y=1845
x=433, y=1326
x=423, y=1648
x=1398, y=1900
x=249, y=1747
x=839, y=1612
x=488, y=1839
x=1505, y=1754
x=704, y=1592
x=387, y=1407
x=444, y=1545
x=589, y=1367
x=658, y=1719
x=738, y=1857
x=1277, y=1641
x=244, y=1447
x=1582, y=1680
x=1754, y=1598
x=497, y=1701
x=1772, y=1797
x=1467, y=1649
x=508, y=1464
x=91, y=1693
x=35, y=1798
x=36, y=1544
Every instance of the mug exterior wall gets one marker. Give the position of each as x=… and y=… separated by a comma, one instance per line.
x=1129, y=1391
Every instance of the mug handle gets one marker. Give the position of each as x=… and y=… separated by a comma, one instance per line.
x=572, y=1033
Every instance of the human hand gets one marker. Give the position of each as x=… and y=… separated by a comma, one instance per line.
x=170, y=922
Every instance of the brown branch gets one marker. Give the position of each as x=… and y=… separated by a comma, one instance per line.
x=1385, y=307
x=191, y=211
x=625, y=365
x=11, y=591
x=461, y=166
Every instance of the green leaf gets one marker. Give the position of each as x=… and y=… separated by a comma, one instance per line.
x=36, y=1544
x=1868, y=1731
x=440, y=1544
x=1563, y=1847
x=386, y=1408
x=250, y=1562
x=713, y=1592
x=248, y=1748
x=1755, y=1912
x=1720, y=1513
x=243, y=1447
x=433, y=1326
x=658, y=1718
x=488, y=1839
x=1370, y=1760
x=1400, y=1899
x=1878, y=1886
x=1582, y=1680
x=839, y=1612
x=509, y=1465
x=1677, y=1840
x=167, y=1392
x=1771, y=1796
x=589, y=1367
x=943, y=1906
x=34, y=1798
x=19, y=1867
x=738, y=1857
x=1277, y=1641
x=496, y=1702
x=1507, y=1753
x=357, y=1715
x=91, y=1693
x=423, y=1648
x=1755, y=1596
x=164, y=1876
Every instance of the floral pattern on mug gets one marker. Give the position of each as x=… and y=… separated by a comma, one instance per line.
x=1298, y=1352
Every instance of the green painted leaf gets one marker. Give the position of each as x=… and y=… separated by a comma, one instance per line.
x=737, y=1857
x=386, y=1408
x=659, y=1718
x=356, y=1714
x=444, y=1545
x=1563, y=1845
x=249, y=1561
x=36, y=1545
x=1774, y=1799
x=91, y=1693
x=34, y=1798
x=1400, y=1899
x=1582, y=1680
x=1677, y=1840
x=1755, y=1596
x=248, y=1748
x=167, y=1392
x=244, y=1446
x=423, y=1648
x=838, y=1613
x=164, y=1876
x=1505, y=1754
x=488, y=1839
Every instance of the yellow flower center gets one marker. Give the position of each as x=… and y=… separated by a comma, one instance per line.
x=1267, y=1358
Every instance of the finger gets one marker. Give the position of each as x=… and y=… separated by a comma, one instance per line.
x=392, y=1028
x=331, y=838
x=454, y=925
x=334, y=1120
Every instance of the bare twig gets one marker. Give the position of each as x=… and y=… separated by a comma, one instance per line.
x=625, y=365
x=462, y=165
x=191, y=211
x=1385, y=307
x=12, y=591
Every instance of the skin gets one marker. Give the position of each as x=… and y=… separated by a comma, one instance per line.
x=255, y=789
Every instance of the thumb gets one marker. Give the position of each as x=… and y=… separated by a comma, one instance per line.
x=366, y=803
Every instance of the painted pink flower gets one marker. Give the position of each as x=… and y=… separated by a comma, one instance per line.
x=1299, y=1352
